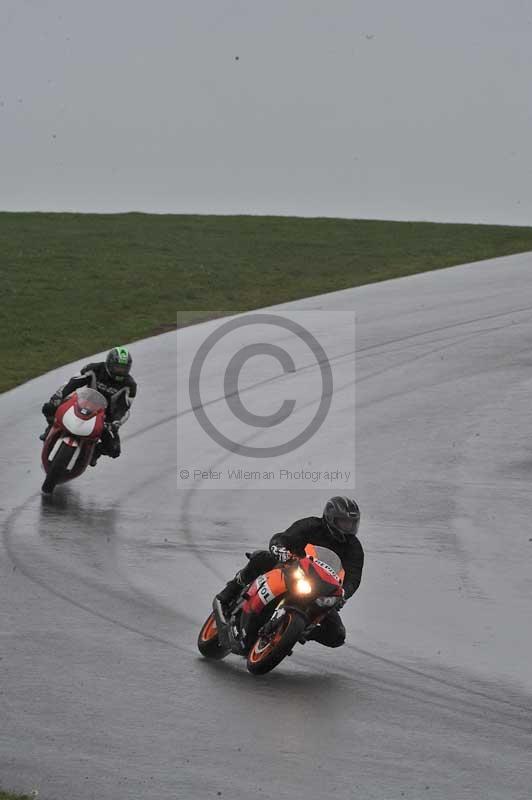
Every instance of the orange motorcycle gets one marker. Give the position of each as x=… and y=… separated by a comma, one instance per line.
x=273, y=613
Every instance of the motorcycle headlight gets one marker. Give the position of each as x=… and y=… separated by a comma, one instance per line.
x=303, y=586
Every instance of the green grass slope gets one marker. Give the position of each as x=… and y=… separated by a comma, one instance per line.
x=9, y=796
x=73, y=284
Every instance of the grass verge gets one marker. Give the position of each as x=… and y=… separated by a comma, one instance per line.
x=73, y=284
x=10, y=796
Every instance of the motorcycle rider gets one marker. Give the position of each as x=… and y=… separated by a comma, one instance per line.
x=113, y=380
x=337, y=530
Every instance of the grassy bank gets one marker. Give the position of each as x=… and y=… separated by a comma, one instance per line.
x=9, y=796
x=73, y=284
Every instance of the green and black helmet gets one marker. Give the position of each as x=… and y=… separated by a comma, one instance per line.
x=118, y=363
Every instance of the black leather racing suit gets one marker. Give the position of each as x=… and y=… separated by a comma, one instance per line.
x=312, y=530
x=118, y=394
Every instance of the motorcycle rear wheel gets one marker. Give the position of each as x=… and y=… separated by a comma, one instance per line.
x=267, y=653
x=208, y=641
x=57, y=466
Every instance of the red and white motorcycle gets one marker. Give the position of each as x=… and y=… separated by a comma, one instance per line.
x=78, y=425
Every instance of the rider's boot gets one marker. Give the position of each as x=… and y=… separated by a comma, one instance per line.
x=230, y=591
x=309, y=635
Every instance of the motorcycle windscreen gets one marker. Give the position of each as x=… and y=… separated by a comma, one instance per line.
x=327, y=556
x=90, y=401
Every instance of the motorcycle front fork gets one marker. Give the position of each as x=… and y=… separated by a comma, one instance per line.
x=269, y=627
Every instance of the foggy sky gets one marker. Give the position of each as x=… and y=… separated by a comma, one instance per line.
x=391, y=110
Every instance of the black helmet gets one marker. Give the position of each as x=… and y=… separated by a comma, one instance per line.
x=118, y=363
x=341, y=515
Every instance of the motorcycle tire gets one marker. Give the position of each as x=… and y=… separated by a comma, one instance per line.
x=268, y=653
x=208, y=641
x=57, y=467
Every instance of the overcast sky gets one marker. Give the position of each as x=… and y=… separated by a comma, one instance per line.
x=371, y=108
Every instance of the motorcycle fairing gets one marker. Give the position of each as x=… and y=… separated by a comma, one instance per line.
x=263, y=590
x=86, y=419
x=325, y=556
x=79, y=427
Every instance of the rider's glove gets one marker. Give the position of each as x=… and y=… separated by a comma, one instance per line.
x=54, y=401
x=49, y=409
x=282, y=554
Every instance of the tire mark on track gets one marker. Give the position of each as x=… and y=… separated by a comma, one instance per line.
x=445, y=682
x=30, y=574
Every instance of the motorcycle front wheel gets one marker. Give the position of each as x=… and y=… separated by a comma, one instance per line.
x=269, y=651
x=57, y=467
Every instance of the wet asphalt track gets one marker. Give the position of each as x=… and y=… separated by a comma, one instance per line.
x=102, y=589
